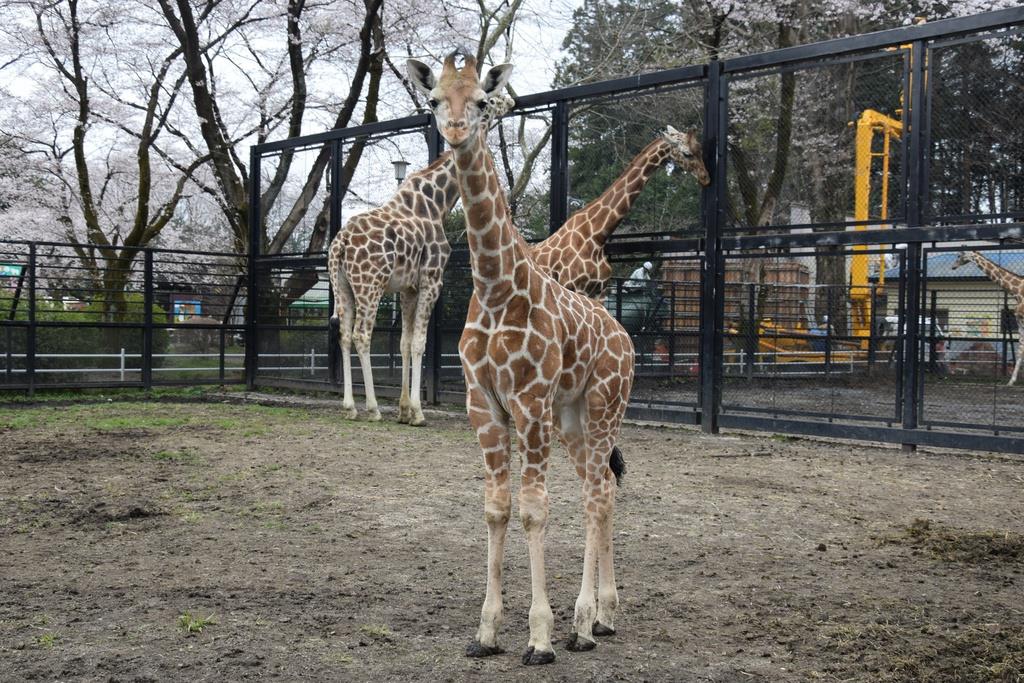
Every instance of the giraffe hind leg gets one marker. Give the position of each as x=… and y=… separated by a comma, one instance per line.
x=344, y=313
x=1020, y=359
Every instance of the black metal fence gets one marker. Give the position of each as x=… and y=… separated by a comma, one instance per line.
x=809, y=289
x=73, y=316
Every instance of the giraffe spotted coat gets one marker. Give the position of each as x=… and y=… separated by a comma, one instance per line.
x=539, y=360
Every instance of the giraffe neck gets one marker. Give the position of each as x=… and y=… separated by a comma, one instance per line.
x=604, y=214
x=430, y=192
x=497, y=252
x=1011, y=282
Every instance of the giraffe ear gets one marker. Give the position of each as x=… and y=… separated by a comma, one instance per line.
x=420, y=76
x=496, y=79
x=671, y=130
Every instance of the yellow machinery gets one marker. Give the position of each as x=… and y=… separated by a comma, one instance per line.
x=869, y=124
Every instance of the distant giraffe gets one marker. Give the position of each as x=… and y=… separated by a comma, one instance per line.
x=398, y=247
x=1013, y=284
x=574, y=255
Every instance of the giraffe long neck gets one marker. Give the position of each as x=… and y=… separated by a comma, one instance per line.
x=602, y=216
x=1012, y=283
x=497, y=252
x=430, y=192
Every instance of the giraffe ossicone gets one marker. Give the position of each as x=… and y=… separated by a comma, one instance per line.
x=538, y=359
x=398, y=247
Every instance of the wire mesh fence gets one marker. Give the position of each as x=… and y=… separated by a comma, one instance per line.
x=78, y=317
x=809, y=288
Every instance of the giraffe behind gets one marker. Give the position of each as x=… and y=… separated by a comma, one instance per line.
x=398, y=247
x=574, y=254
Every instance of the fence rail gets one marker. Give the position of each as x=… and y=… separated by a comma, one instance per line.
x=820, y=301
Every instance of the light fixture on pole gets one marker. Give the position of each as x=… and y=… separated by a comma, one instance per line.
x=401, y=165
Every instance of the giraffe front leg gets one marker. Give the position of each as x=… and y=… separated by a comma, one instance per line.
x=492, y=433
x=533, y=431
x=430, y=289
x=405, y=346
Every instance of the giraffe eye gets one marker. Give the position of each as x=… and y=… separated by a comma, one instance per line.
x=481, y=105
x=432, y=103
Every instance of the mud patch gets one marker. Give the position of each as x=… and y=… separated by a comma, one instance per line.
x=960, y=545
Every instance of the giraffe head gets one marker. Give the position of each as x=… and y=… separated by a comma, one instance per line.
x=460, y=100
x=962, y=259
x=686, y=153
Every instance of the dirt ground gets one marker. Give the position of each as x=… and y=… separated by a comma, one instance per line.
x=329, y=550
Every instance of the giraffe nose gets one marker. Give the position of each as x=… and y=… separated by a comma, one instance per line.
x=461, y=123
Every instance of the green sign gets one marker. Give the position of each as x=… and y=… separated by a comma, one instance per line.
x=10, y=270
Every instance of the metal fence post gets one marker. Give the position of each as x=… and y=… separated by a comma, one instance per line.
x=752, y=341
x=873, y=329
x=672, y=329
x=255, y=222
x=559, y=166
x=916, y=198
x=334, y=227
x=714, y=198
x=30, y=346
x=147, y=319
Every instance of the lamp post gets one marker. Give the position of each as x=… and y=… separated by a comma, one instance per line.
x=401, y=165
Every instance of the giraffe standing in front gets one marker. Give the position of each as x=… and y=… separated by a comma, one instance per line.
x=1013, y=285
x=574, y=254
x=539, y=359
x=398, y=247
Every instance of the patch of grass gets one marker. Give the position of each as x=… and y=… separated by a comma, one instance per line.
x=959, y=545
x=270, y=507
x=784, y=438
x=47, y=640
x=21, y=419
x=190, y=517
x=120, y=422
x=66, y=395
x=184, y=456
x=190, y=623
x=376, y=631
x=33, y=524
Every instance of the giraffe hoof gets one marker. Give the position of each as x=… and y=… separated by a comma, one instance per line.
x=602, y=630
x=403, y=417
x=533, y=657
x=349, y=413
x=577, y=644
x=475, y=649
x=373, y=415
x=417, y=421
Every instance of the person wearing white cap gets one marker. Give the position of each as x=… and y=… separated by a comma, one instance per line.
x=640, y=277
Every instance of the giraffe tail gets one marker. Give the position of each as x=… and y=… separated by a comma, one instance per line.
x=618, y=465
